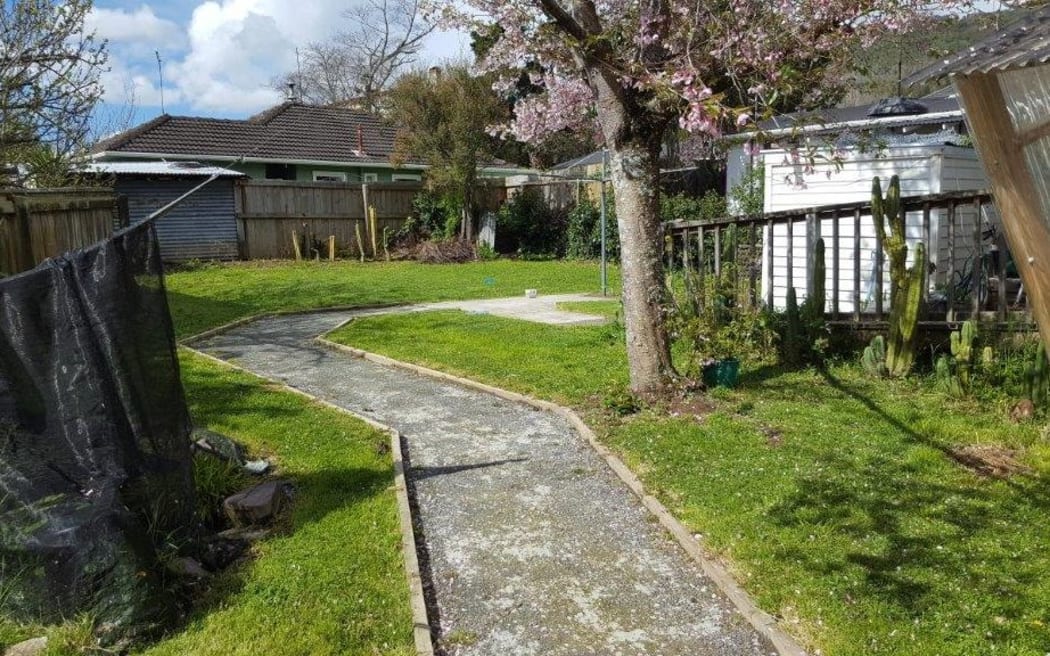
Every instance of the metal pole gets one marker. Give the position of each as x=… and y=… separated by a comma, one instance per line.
x=605, y=272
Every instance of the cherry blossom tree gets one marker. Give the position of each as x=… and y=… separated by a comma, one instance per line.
x=639, y=68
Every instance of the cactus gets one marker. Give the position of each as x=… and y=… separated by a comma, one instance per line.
x=1037, y=378
x=906, y=285
x=791, y=344
x=874, y=357
x=947, y=374
x=962, y=351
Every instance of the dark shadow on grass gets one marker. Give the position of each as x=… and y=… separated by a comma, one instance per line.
x=913, y=527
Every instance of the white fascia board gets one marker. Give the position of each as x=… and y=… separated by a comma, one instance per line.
x=259, y=160
x=860, y=124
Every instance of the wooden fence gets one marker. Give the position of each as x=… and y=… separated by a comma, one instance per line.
x=968, y=272
x=269, y=211
x=38, y=224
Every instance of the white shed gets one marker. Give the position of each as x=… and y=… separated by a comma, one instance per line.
x=923, y=169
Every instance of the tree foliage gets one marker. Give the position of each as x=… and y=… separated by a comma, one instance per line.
x=383, y=38
x=639, y=67
x=442, y=120
x=49, y=85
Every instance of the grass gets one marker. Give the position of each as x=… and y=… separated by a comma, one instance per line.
x=212, y=295
x=833, y=496
x=333, y=581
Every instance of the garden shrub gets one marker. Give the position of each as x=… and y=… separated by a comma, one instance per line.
x=434, y=216
x=681, y=207
x=528, y=226
x=584, y=231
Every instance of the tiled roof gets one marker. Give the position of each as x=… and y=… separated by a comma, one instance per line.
x=290, y=131
x=1025, y=42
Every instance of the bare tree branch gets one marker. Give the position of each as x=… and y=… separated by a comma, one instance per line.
x=383, y=38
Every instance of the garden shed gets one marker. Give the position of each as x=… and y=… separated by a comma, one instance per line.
x=831, y=157
x=203, y=226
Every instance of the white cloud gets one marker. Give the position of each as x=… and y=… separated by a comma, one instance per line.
x=141, y=27
x=237, y=46
x=225, y=55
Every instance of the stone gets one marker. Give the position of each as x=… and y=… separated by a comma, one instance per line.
x=32, y=647
x=218, y=445
x=257, y=467
x=244, y=534
x=219, y=553
x=257, y=505
x=188, y=567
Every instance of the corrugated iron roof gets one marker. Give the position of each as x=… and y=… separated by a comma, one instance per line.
x=1026, y=42
x=835, y=119
x=161, y=168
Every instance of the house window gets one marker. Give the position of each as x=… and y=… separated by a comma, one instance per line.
x=329, y=176
x=280, y=172
x=406, y=177
x=369, y=177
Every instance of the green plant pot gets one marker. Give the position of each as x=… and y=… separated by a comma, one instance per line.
x=722, y=373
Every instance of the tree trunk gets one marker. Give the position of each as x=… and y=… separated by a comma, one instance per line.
x=634, y=170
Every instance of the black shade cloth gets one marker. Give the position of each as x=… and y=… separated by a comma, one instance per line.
x=95, y=472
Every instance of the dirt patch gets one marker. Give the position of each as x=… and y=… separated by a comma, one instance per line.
x=774, y=437
x=989, y=460
x=686, y=405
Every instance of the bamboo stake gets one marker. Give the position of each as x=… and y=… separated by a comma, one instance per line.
x=295, y=246
x=360, y=241
x=373, y=228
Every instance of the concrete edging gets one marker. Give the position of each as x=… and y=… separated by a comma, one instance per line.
x=420, y=620
x=763, y=622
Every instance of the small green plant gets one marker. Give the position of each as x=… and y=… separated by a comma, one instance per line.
x=621, y=402
x=1037, y=378
x=874, y=357
x=215, y=479
x=486, y=252
x=956, y=373
x=803, y=330
x=747, y=196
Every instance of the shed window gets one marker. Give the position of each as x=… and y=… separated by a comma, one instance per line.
x=406, y=177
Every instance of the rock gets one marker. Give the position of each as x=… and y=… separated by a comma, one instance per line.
x=218, y=553
x=188, y=568
x=218, y=445
x=244, y=534
x=1023, y=411
x=257, y=467
x=257, y=505
x=32, y=647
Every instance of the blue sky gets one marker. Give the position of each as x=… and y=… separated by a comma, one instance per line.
x=219, y=55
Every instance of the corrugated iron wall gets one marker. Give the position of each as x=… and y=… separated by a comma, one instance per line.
x=203, y=226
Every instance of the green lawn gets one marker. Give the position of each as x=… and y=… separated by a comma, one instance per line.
x=333, y=582
x=212, y=295
x=833, y=496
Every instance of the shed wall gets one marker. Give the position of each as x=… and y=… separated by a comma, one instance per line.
x=201, y=227
x=922, y=170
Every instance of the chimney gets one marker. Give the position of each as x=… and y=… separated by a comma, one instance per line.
x=360, y=141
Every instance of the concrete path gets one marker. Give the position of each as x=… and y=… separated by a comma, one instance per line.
x=542, y=309
x=533, y=546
